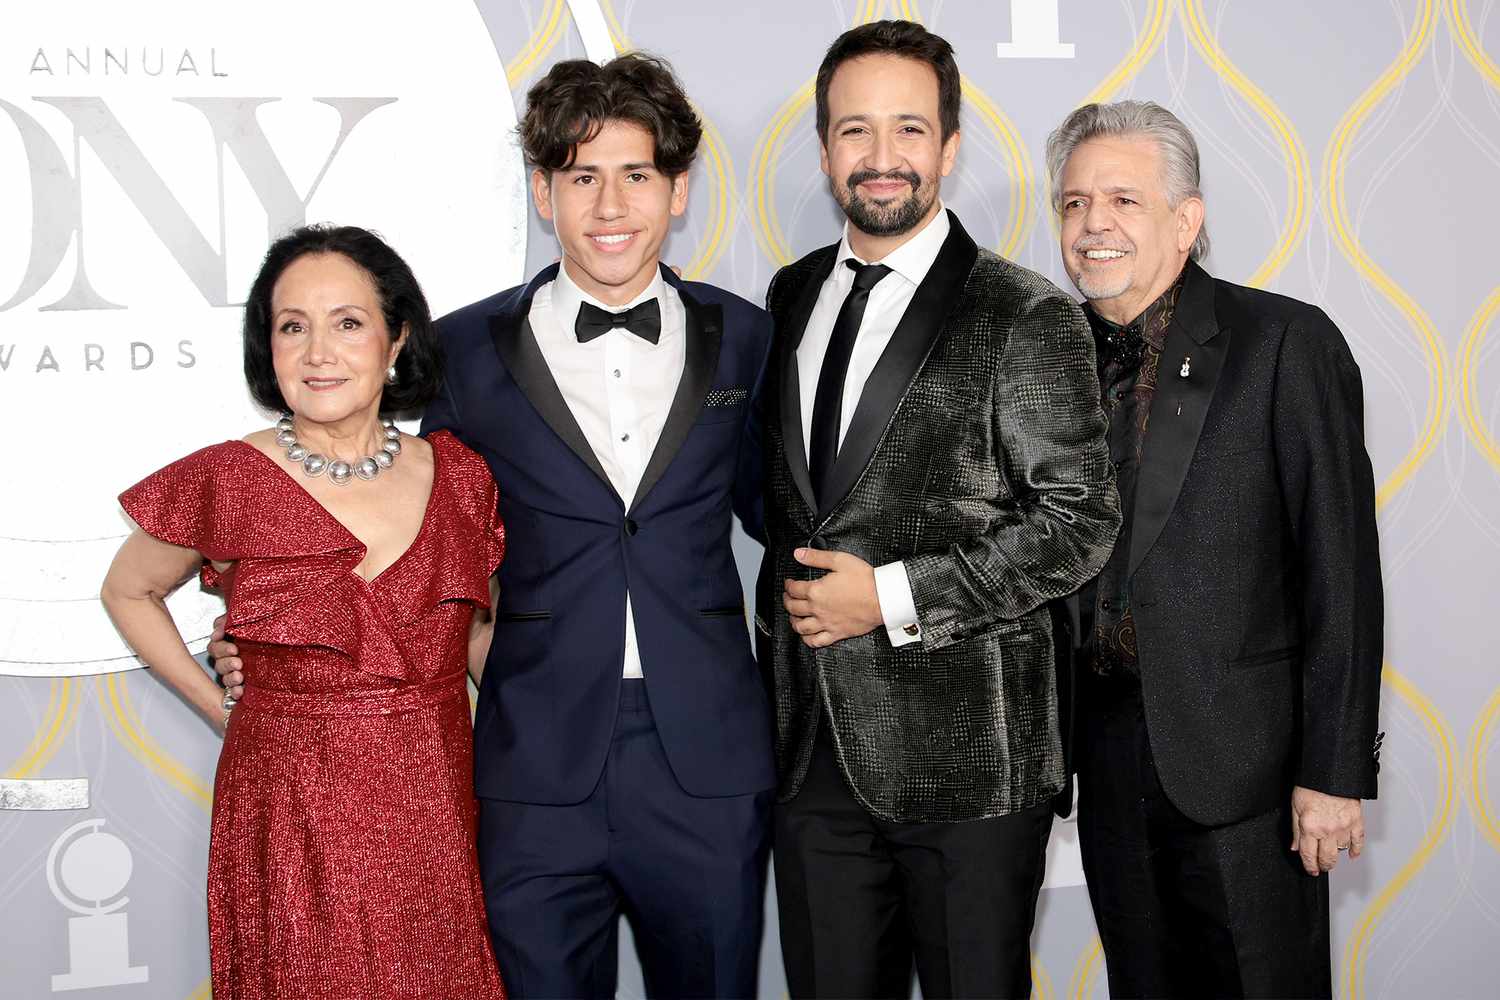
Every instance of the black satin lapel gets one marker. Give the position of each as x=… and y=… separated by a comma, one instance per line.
x=516, y=345
x=792, y=444
x=1177, y=414
x=705, y=333
x=915, y=334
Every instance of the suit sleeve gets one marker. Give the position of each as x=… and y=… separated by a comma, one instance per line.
x=442, y=414
x=749, y=477
x=1055, y=529
x=1328, y=491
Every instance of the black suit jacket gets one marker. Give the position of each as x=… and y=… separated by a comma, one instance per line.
x=976, y=455
x=1254, y=558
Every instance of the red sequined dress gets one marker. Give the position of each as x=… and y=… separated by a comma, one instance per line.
x=342, y=862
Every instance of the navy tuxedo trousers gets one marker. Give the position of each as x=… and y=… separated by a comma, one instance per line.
x=688, y=873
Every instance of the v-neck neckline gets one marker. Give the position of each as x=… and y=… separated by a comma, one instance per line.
x=329, y=515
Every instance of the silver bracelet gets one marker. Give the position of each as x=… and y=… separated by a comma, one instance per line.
x=228, y=705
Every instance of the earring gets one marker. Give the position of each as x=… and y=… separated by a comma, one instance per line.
x=390, y=375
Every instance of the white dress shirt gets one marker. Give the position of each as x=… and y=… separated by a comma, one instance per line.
x=618, y=386
x=909, y=264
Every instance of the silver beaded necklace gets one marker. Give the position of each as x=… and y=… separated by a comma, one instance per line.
x=339, y=472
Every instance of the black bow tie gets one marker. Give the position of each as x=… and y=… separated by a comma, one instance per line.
x=1124, y=346
x=643, y=320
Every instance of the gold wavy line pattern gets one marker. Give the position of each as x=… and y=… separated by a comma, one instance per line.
x=1357, y=951
x=1468, y=396
x=1082, y=983
x=762, y=181
x=1339, y=150
x=769, y=234
x=1041, y=983
x=1140, y=54
x=541, y=43
x=1021, y=216
x=1479, y=777
x=723, y=199
x=1142, y=49
x=1018, y=168
x=127, y=727
x=768, y=147
x=616, y=29
x=1295, y=225
x=57, y=720
x=1468, y=41
x=723, y=196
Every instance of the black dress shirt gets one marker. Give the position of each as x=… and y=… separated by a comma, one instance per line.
x=1129, y=359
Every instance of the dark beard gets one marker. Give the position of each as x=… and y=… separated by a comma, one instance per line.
x=891, y=218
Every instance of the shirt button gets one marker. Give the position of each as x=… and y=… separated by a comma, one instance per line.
x=617, y=373
x=624, y=437
x=1107, y=605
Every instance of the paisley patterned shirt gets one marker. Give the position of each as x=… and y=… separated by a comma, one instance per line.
x=1129, y=357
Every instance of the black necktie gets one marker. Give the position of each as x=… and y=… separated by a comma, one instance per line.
x=828, y=404
x=643, y=320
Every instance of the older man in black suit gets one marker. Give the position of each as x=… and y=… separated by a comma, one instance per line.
x=1229, y=676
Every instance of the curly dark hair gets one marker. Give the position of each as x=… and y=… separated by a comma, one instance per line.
x=894, y=38
x=419, y=366
x=573, y=101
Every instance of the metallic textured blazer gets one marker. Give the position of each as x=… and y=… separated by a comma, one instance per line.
x=977, y=456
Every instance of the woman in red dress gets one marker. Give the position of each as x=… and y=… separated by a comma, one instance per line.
x=353, y=558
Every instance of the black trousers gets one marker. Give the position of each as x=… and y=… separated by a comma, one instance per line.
x=1186, y=910
x=861, y=898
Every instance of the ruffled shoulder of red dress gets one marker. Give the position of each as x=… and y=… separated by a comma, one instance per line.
x=229, y=502
x=470, y=493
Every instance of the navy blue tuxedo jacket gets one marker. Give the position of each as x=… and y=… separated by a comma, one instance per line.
x=548, y=702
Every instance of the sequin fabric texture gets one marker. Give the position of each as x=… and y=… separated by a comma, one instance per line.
x=991, y=481
x=341, y=860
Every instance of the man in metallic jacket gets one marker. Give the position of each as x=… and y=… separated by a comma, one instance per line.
x=937, y=471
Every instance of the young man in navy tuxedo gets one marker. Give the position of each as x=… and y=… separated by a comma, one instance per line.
x=622, y=738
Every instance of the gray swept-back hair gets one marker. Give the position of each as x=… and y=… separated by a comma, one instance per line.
x=1134, y=119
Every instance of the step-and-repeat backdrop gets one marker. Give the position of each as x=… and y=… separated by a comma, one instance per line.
x=148, y=151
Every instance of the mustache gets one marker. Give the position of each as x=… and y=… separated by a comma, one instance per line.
x=1100, y=243
x=862, y=176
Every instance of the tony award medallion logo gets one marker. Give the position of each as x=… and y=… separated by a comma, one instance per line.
x=87, y=871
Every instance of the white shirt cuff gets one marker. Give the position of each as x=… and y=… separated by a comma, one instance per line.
x=897, y=609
